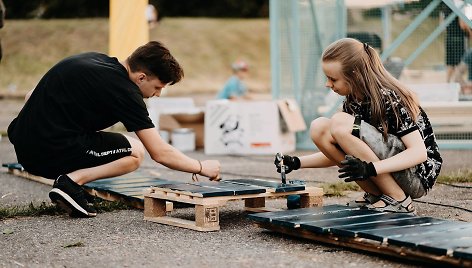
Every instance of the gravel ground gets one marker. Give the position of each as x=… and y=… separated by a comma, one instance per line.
x=124, y=239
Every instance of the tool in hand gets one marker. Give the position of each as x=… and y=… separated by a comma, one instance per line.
x=280, y=158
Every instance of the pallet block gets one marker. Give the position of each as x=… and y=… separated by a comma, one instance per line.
x=208, y=198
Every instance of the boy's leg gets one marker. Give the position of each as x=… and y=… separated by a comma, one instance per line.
x=118, y=167
x=320, y=132
x=341, y=129
x=107, y=155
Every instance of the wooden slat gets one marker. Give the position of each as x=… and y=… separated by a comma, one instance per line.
x=388, y=221
x=464, y=253
x=409, y=230
x=438, y=238
x=332, y=218
x=279, y=188
x=269, y=216
x=447, y=246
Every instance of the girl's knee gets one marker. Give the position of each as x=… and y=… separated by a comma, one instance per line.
x=319, y=128
x=341, y=125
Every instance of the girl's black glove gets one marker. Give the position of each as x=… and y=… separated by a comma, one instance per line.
x=355, y=169
x=290, y=163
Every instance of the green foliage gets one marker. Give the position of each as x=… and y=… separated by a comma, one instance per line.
x=44, y=208
x=100, y=8
x=337, y=189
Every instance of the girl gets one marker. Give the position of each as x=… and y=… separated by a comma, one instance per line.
x=382, y=139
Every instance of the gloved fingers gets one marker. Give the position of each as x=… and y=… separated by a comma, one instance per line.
x=344, y=175
x=346, y=169
x=349, y=179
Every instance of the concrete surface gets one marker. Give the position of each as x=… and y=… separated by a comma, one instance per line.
x=123, y=239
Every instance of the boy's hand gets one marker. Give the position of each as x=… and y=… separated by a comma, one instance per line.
x=290, y=163
x=355, y=169
x=211, y=169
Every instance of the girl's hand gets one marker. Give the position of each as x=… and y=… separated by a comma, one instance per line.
x=355, y=169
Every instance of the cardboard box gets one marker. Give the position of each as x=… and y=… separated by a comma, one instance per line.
x=170, y=122
x=171, y=113
x=251, y=127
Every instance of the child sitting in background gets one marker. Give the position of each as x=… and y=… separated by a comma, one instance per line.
x=235, y=87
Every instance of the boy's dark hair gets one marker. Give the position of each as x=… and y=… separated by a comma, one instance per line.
x=155, y=59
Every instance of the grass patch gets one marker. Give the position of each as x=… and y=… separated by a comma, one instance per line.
x=461, y=176
x=44, y=208
x=337, y=189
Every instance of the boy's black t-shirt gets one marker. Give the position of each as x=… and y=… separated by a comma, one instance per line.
x=79, y=95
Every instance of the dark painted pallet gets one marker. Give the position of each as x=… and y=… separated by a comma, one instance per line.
x=384, y=222
x=326, y=219
x=278, y=215
x=440, y=237
x=420, y=238
x=279, y=187
x=410, y=230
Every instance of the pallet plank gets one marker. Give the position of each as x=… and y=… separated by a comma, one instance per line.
x=338, y=216
x=343, y=226
x=410, y=230
x=389, y=221
x=279, y=188
x=437, y=238
x=269, y=216
x=450, y=245
x=236, y=188
x=464, y=253
x=197, y=189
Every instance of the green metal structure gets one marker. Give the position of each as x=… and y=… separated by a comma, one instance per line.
x=301, y=29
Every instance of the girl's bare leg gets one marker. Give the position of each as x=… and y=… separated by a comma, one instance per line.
x=320, y=131
x=341, y=128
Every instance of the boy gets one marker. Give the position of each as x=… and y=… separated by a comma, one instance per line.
x=58, y=133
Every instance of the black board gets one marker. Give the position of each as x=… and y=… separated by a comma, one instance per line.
x=269, y=216
x=279, y=187
x=410, y=230
x=465, y=253
x=326, y=219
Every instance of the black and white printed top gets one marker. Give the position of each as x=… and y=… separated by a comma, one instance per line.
x=427, y=171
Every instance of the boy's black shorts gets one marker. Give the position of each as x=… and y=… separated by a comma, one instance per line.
x=90, y=150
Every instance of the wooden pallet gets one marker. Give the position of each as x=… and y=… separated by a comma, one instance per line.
x=208, y=197
x=407, y=237
x=127, y=188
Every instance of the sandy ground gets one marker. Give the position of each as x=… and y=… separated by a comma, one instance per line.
x=124, y=239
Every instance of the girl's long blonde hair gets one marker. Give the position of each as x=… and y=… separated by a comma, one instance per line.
x=366, y=76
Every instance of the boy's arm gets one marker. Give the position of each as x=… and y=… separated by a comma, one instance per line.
x=169, y=156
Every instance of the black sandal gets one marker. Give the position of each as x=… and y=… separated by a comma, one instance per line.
x=392, y=205
x=367, y=199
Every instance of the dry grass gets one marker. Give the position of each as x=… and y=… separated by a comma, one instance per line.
x=205, y=48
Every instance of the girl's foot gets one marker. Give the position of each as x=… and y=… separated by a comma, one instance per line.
x=366, y=199
x=389, y=204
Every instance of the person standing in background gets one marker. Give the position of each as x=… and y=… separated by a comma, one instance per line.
x=2, y=20
x=455, y=43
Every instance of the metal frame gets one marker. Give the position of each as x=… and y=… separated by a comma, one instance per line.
x=294, y=47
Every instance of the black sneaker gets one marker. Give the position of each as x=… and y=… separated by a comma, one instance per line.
x=71, y=197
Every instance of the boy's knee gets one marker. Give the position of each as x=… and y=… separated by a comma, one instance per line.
x=341, y=125
x=319, y=128
x=137, y=150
